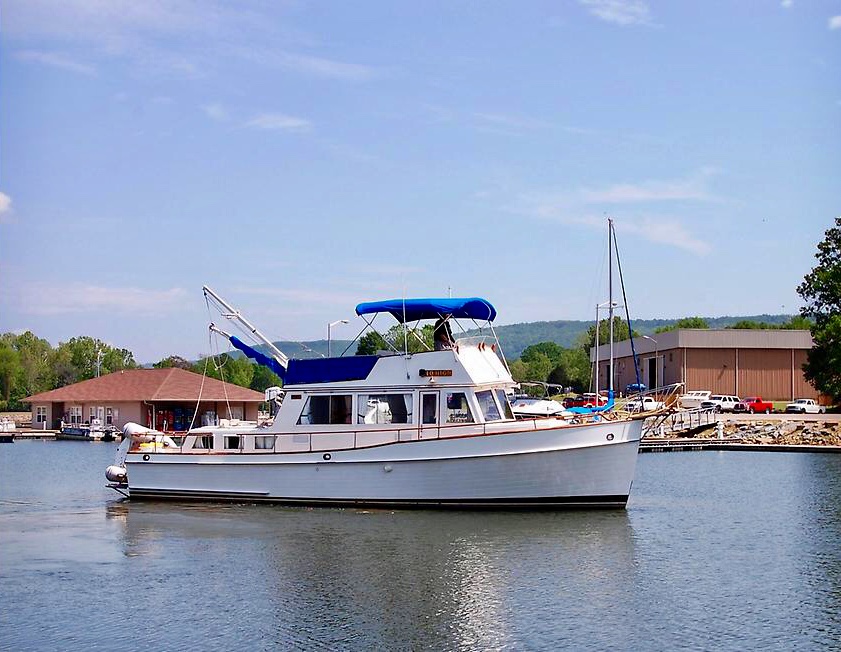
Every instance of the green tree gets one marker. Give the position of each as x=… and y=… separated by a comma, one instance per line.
x=551, y=350
x=750, y=324
x=798, y=323
x=620, y=332
x=236, y=370
x=571, y=370
x=821, y=293
x=686, y=322
x=370, y=343
x=264, y=378
x=9, y=368
x=174, y=361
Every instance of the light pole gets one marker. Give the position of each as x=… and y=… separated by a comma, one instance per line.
x=656, y=370
x=329, y=326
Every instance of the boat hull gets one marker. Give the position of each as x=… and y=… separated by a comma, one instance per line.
x=571, y=466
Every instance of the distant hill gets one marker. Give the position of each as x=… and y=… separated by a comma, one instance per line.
x=516, y=337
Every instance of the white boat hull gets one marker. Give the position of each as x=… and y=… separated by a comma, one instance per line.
x=569, y=466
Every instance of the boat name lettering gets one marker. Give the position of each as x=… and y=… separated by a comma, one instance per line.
x=435, y=373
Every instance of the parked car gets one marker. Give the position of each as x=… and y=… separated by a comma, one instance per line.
x=635, y=388
x=754, y=404
x=720, y=403
x=694, y=399
x=584, y=400
x=804, y=406
x=644, y=404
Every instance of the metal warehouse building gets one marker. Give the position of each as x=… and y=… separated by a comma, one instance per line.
x=766, y=363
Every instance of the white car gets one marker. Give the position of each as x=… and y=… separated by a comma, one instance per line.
x=805, y=406
x=644, y=404
x=694, y=399
x=720, y=403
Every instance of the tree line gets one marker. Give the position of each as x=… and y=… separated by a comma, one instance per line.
x=30, y=365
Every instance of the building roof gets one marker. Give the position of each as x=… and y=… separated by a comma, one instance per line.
x=149, y=385
x=709, y=338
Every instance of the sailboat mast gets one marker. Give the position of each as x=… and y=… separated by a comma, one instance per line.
x=610, y=294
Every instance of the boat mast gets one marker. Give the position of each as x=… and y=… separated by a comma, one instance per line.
x=233, y=313
x=610, y=295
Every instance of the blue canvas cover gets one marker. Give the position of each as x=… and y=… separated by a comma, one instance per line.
x=259, y=358
x=415, y=309
x=329, y=370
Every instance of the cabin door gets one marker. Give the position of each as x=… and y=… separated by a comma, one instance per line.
x=429, y=402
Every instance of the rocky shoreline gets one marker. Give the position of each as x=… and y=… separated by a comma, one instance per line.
x=782, y=432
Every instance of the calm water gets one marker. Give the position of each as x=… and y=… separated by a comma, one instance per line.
x=715, y=551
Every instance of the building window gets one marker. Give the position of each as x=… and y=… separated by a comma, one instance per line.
x=321, y=410
x=111, y=416
x=385, y=408
x=41, y=414
x=457, y=410
x=75, y=414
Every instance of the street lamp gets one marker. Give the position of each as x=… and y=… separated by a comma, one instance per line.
x=656, y=370
x=329, y=326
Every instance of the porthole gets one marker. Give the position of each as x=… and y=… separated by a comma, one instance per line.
x=610, y=436
x=327, y=457
x=146, y=458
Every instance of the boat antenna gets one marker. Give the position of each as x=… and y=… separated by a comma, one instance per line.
x=610, y=298
x=627, y=313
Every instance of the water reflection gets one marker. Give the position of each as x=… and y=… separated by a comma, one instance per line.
x=404, y=579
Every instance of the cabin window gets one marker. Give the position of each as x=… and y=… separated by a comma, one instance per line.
x=385, y=408
x=41, y=414
x=231, y=442
x=264, y=442
x=458, y=409
x=205, y=442
x=488, y=406
x=430, y=408
x=320, y=410
x=504, y=404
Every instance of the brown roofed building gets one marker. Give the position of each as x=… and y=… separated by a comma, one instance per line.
x=741, y=362
x=165, y=399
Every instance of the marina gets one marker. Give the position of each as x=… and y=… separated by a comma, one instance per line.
x=716, y=550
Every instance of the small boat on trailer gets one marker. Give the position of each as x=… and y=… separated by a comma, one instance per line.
x=428, y=429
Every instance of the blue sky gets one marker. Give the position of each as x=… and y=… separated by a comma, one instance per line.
x=301, y=157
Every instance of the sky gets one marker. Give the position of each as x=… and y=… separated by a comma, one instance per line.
x=302, y=157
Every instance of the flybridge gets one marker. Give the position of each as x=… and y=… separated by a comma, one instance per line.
x=329, y=370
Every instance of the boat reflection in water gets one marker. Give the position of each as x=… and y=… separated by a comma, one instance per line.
x=389, y=580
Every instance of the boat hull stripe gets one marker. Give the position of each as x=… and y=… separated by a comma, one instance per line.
x=537, y=502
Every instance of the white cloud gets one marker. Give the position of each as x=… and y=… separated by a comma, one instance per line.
x=278, y=122
x=649, y=191
x=321, y=67
x=835, y=22
x=620, y=12
x=6, y=209
x=81, y=298
x=579, y=208
x=215, y=112
x=56, y=61
x=787, y=4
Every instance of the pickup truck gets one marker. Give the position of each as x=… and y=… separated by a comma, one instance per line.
x=804, y=406
x=644, y=404
x=754, y=404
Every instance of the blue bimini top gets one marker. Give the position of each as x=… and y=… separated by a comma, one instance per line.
x=404, y=310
